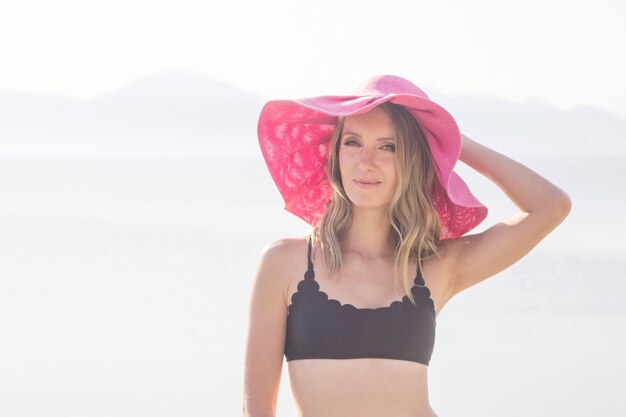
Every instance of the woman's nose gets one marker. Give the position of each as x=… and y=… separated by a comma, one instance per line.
x=366, y=155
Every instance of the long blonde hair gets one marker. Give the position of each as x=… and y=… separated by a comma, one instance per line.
x=415, y=225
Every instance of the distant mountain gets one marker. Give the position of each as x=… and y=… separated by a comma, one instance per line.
x=169, y=113
x=180, y=113
x=536, y=128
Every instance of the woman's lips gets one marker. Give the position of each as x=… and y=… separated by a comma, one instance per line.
x=366, y=184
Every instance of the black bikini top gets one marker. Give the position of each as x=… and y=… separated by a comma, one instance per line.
x=322, y=328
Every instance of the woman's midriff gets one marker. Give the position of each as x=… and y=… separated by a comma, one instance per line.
x=364, y=387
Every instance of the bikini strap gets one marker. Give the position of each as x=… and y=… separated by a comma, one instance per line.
x=419, y=280
x=310, y=274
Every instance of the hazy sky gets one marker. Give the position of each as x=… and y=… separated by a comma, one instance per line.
x=566, y=53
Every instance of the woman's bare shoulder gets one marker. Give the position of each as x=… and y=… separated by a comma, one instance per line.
x=279, y=259
x=284, y=248
x=284, y=253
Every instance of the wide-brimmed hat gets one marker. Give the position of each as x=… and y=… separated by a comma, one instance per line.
x=294, y=136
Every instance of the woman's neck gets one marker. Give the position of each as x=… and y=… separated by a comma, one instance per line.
x=369, y=236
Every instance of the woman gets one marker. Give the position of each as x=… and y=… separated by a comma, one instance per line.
x=353, y=306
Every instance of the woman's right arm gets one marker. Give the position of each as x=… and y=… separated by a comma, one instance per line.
x=266, y=334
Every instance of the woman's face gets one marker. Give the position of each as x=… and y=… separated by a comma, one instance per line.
x=367, y=159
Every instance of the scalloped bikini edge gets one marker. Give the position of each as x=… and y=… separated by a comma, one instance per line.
x=346, y=306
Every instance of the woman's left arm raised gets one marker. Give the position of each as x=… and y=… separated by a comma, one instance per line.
x=543, y=206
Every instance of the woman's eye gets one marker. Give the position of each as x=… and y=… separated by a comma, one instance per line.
x=352, y=142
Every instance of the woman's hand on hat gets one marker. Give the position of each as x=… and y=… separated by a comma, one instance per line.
x=466, y=142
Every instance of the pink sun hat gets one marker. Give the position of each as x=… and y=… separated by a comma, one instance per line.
x=294, y=136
